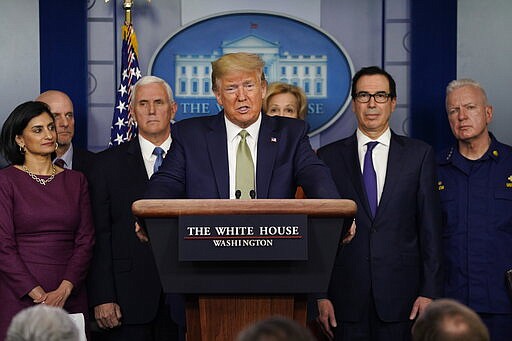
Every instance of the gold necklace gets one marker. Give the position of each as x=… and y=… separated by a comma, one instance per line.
x=38, y=179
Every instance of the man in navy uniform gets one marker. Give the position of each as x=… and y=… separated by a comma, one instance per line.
x=475, y=185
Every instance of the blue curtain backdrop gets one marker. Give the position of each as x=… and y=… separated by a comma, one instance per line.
x=63, y=53
x=433, y=66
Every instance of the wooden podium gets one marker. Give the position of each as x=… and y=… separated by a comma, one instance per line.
x=224, y=297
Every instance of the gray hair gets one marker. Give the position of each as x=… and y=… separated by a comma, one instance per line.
x=460, y=83
x=275, y=328
x=150, y=80
x=42, y=323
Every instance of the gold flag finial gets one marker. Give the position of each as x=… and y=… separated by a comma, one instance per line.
x=127, y=6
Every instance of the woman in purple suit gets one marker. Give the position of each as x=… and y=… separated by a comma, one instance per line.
x=46, y=231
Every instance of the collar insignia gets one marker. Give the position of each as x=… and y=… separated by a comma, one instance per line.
x=450, y=153
x=440, y=186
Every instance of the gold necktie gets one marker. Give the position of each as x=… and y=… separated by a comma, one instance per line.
x=244, y=167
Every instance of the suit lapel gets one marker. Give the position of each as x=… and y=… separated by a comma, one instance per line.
x=268, y=140
x=135, y=157
x=351, y=157
x=393, y=171
x=217, y=149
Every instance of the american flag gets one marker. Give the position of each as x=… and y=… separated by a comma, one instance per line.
x=123, y=126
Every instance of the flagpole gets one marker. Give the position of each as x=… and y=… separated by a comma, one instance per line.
x=127, y=6
x=124, y=127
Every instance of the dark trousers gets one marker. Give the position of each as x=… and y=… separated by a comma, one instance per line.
x=162, y=328
x=499, y=326
x=371, y=328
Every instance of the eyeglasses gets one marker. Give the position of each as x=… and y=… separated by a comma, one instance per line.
x=379, y=97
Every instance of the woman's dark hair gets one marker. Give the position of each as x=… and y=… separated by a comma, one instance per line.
x=14, y=125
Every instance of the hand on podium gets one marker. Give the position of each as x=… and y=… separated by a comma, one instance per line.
x=141, y=234
x=350, y=233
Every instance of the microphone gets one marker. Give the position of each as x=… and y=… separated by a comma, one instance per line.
x=238, y=194
x=252, y=194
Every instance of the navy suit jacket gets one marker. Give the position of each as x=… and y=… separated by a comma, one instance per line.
x=123, y=269
x=395, y=256
x=197, y=164
x=82, y=160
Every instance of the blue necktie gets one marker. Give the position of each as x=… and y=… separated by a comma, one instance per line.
x=159, y=152
x=370, y=178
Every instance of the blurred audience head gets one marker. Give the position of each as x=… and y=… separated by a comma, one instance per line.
x=287, y=100
x=42, y=323
x=448, y=320
x=275, y=328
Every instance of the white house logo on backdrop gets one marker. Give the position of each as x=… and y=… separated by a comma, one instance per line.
x=294, y=52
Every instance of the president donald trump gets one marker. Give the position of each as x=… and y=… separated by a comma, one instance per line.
x=240, y=153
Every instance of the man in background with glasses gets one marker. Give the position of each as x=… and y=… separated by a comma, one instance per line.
x=391, y=270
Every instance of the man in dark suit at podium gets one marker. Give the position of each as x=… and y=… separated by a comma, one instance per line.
x=68, y=156
x=391, y=270
x=272, y=154
x=124, y=285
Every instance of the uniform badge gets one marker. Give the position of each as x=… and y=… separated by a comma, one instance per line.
x=495, y=153
x=509, y=183
x=273, y=139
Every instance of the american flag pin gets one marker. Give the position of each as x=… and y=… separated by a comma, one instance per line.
x=273, y=139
